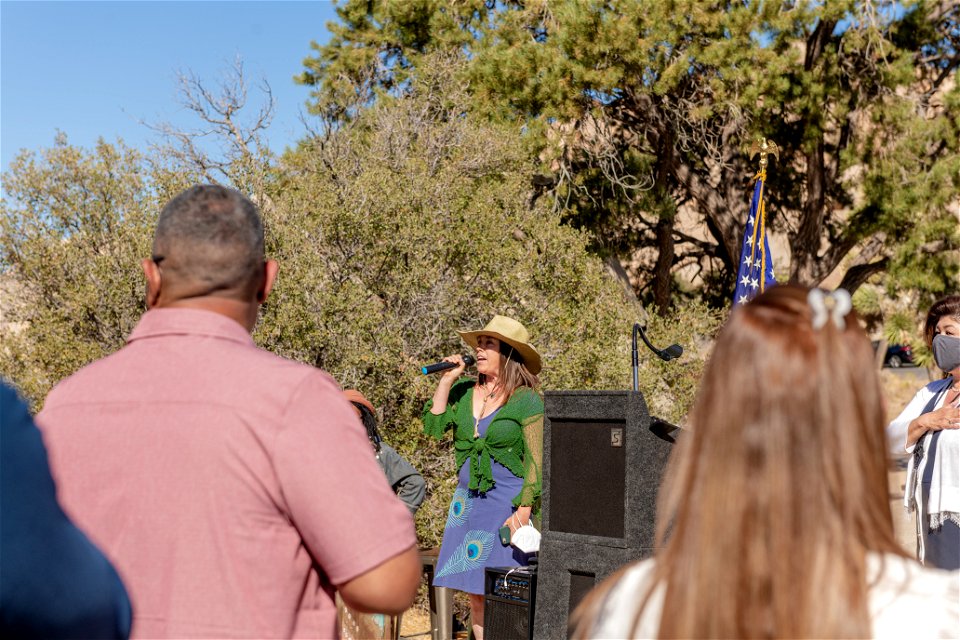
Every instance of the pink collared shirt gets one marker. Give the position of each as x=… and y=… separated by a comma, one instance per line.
x=231, y=487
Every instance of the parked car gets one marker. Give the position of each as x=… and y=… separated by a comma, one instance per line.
x=897, y=355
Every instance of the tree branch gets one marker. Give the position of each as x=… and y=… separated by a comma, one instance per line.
x=859, y=274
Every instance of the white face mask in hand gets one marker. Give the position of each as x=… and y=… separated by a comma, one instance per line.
x=526, y=538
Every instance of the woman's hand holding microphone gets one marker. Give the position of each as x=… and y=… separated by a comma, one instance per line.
x=446, y=381
x=451, y=375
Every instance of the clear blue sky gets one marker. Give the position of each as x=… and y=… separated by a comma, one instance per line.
x=93, y=69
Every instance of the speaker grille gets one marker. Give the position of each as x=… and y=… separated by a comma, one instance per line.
x=581, y=582
x=502, y=620
x=588, y=477
x=510, y=598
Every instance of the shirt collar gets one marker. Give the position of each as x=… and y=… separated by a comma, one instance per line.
x=189, y=322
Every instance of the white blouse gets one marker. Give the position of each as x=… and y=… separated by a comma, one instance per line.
x=933, y=485
x=906, y=600
x=897, y=430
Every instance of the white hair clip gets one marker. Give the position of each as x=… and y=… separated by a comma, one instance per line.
x=835, y=305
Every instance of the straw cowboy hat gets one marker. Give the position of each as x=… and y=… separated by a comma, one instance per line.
x=511, y=332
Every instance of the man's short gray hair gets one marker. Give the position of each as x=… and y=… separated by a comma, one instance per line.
x=212, y=237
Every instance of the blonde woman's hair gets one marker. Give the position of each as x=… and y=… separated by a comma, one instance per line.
x=773, y=499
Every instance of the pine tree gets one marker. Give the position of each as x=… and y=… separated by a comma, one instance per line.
x=640, y=108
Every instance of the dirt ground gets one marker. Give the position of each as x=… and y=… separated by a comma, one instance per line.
x=898, y=389
x=415, y=624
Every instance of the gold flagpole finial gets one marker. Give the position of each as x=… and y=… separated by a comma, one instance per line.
x=764, y=147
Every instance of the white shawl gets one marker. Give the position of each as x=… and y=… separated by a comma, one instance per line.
x=935, y=459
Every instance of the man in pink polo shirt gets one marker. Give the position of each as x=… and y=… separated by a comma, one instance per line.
x=233, y=489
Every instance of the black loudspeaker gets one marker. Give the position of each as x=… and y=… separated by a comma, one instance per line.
x=603, y=462
x=510, y=595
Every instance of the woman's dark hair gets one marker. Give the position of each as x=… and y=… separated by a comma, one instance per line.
x=370, y=422
x=948, y=306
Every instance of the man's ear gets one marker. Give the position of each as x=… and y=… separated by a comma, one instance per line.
x=152, y=274
x=270, y=269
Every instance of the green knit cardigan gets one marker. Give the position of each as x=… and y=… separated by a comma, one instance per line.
x=514, y=439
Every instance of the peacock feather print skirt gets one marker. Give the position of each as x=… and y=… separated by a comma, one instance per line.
x=471, y=540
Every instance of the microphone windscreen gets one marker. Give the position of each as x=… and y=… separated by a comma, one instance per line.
x=674, y=351
x=468, y=360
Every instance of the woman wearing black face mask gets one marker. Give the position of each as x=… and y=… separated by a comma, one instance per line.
x=929, y=430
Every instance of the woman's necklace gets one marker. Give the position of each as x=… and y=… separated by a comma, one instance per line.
x=953, y=395
x=490, y=395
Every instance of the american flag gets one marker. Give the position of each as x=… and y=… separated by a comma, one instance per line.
x=756, y=264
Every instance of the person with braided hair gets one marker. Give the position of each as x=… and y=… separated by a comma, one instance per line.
x=405, y=480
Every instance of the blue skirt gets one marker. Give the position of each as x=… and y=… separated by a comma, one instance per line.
x=471, y=539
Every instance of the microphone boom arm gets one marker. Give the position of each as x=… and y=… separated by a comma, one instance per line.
x=646, y=341
x=671, y=352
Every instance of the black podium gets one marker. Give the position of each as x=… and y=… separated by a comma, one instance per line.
x=602, y=469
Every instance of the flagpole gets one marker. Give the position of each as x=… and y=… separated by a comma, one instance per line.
x=752, y=271
x=764, y=148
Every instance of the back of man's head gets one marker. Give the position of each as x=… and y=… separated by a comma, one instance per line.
x=209, y=242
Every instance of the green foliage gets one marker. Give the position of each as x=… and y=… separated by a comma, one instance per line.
x=632, y=104
x=415, y=221
x=670, y=387
x=867, y=303
x=901, y=328
x=392, y=232
x=904, y=327
x=72, y=228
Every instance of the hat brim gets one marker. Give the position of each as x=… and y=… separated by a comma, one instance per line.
x=355, y=396
x=529, y=355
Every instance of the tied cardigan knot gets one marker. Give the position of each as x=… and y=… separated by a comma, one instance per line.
x=481, y=469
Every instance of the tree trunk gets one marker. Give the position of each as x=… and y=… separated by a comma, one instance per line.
x=806, y=267
x=864, y=265
x=806, y=241
x=662, y=278
x=721, y=219
x=880, y=355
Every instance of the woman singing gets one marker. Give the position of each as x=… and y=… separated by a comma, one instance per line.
x=497, y=422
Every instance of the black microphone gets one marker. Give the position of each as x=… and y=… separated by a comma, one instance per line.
x=671, y=352
x=443, y=366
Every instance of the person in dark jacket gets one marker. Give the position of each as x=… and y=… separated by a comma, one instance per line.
x=54, y=583
x=406, y=481
x=410, y=487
